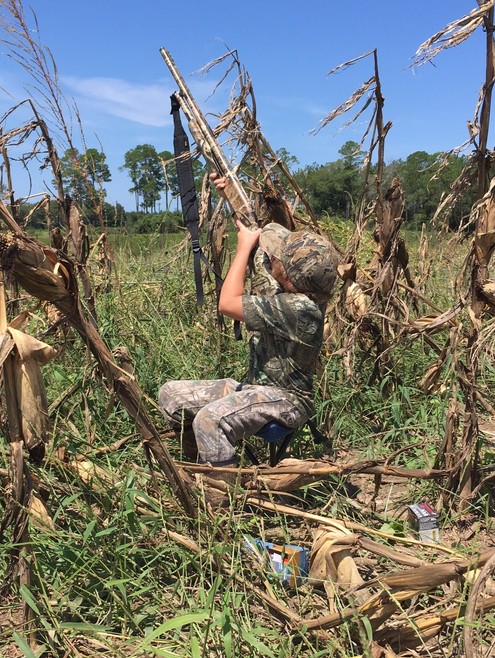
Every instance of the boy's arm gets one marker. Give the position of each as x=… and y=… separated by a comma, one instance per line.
x=230, y=302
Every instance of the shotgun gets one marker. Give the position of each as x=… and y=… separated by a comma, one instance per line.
x=208, y=146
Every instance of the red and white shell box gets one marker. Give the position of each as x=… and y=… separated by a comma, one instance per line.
x=423, y=518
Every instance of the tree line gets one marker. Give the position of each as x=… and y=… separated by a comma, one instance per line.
x=333, y=188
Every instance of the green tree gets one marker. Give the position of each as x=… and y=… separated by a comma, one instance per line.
x=144, y=167
x=424, y=183
x=170, y=176
x=83, y=176
x=287, y=158
x=351, y=178
x=320, y=185
x=352, y=157
x=335, y=186
x=415, y=174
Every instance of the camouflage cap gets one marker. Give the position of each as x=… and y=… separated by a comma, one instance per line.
x=309, y=259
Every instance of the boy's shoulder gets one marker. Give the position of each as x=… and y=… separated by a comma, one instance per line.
x=286, y=303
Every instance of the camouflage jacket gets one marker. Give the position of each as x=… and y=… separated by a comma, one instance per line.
x=285, y=343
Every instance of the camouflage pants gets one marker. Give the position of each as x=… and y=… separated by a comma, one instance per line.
x=221, y=414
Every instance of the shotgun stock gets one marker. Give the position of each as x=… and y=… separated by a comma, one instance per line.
x=208, y=146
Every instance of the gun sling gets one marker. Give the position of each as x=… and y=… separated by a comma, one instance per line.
x=189, y=204
x=188, y=198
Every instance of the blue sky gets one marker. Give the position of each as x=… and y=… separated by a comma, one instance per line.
x=108, y=60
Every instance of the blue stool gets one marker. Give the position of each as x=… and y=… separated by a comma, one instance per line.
x=272, y=432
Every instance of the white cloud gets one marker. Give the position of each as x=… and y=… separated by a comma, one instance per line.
x=144, y=104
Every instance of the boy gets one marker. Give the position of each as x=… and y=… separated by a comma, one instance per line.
x=287, y=334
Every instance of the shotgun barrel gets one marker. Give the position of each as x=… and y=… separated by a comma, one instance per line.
x=208, y=146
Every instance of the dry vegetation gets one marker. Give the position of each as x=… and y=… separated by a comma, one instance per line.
x=108, y=544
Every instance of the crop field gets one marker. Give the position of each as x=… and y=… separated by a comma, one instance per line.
x=116, y=567
x=372, y=539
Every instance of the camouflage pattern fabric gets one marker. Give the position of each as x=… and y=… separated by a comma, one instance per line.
x=262, y=282
x=309, y=259
x=285, y=344
x=221, y=415
x=287, y=333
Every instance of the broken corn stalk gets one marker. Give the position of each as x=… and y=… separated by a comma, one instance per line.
x=29, y=356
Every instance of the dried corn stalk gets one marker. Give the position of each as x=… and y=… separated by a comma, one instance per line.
x=78, y=250
x=475, y=603
x=50, y=277
x=421, y=629
x=92, y=474
x=432, y=323
x=484, y=244
x=388, y=221
x=17, y=502
x=432, y=380
x=397, y=587
x=29, y=356
x=391, y=257
x=289, y=475
x=356, y=302
x=486, y=291
x=39, y=514
x=452, y=34
x=332, y=560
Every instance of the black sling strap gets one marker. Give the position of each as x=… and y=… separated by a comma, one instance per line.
x=189, y=204
x=318, y=436
x=188, y=198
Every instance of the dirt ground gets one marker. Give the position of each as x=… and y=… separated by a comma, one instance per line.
x=11, y=619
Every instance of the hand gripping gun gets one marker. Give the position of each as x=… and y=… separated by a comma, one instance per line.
x=209, y=148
